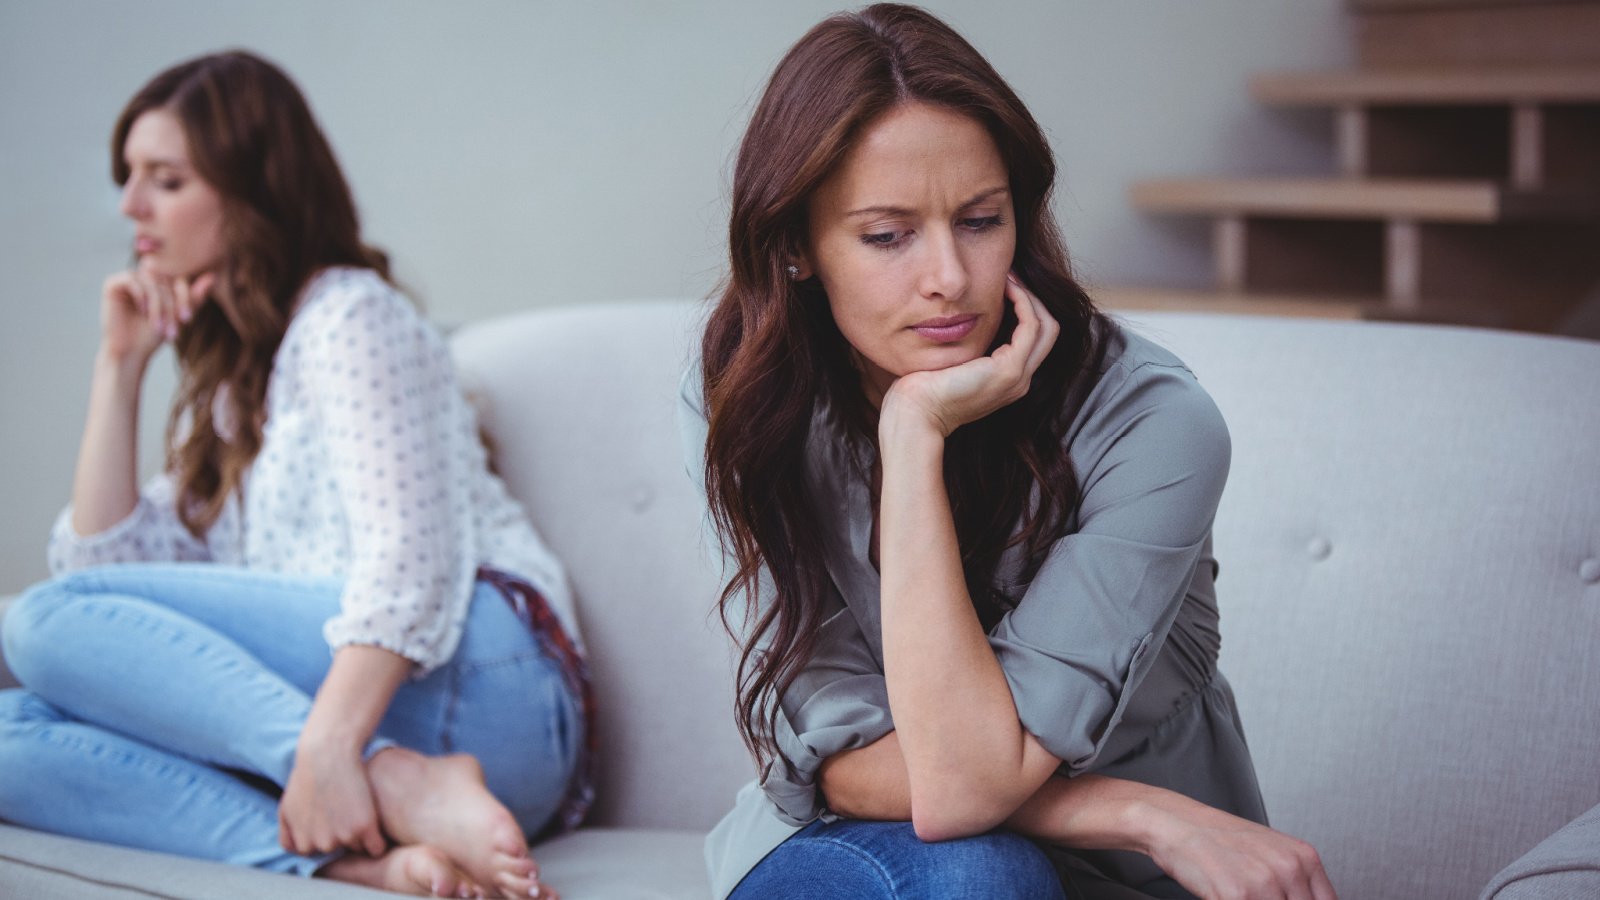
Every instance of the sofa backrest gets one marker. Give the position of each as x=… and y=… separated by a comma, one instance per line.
x=1410, y=586
x=580, y=407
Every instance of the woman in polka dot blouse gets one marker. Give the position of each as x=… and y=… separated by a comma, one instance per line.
x=325, y=640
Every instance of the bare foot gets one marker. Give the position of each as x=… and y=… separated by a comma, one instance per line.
x=441, y=801
x=417, y=870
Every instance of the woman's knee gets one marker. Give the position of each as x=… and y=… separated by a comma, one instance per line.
x=886, y=860
x=1001, y=864
x=28, y=630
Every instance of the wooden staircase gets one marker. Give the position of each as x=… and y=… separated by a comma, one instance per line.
x=1467, y=192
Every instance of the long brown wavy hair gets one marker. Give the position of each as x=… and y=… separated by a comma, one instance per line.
x=772, y=353
x=287, y=213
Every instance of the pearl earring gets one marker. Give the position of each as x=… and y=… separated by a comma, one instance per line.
x=794, y=272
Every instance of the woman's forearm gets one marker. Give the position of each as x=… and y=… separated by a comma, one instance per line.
x=354, y=697
x=105, y=487
x=1090, y=812
x=969, y=762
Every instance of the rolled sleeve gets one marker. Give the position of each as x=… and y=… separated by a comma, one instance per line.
x=1152, y=462
x=838, y=702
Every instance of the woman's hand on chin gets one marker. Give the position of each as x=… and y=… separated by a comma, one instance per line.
x=139, y=310
x=946, y=399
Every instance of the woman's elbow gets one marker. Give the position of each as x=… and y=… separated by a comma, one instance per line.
x=949, y=818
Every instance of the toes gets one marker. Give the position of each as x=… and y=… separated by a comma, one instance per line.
x=517, y=886
x=522, y=866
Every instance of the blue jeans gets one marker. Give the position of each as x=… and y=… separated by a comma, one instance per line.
x=856, y=860
x=161, y=705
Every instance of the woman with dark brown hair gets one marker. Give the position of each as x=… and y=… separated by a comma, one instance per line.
x=968, y=517
x=324, y=640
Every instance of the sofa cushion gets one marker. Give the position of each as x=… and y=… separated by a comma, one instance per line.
x=7, y=680
x=602, y=864
x=1564, y=865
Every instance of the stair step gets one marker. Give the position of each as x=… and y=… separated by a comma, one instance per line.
x=1423, y=199
x=1480, y=314
x=1159, y=299
x=1430, y=86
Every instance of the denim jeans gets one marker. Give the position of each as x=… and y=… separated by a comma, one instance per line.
x=161, y=705
x=857, y=860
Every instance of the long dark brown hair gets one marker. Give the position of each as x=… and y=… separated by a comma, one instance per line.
x=772, y=353
x=287, y=213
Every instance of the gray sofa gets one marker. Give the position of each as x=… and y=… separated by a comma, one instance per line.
x=1410, y=586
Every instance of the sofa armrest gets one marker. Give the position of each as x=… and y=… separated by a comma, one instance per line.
x=1565, y=864
x=7, y=680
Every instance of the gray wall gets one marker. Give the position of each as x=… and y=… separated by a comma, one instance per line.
x=512, y=153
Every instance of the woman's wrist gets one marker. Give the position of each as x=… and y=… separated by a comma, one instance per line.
x=124, y=367
x=903, y=427
x=322, y=735
x=1157, y=821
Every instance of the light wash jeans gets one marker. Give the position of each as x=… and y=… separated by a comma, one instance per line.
x=161, y=704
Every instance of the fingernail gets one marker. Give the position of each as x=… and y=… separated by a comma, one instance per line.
x=535, y=892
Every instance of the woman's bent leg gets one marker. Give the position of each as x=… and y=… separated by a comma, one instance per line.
x=117, y=647
x=509, y=707
x=887, y=861
x=76, y=779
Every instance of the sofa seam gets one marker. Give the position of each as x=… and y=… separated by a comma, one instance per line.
x=75, y=876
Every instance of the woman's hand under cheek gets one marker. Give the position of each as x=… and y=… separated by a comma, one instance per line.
x=946, y=399
x=139, y=310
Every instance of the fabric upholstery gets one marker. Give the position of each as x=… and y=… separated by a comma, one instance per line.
x=581, y=404
x=1410, y=586
x=1563, y=866
x=7, y=679
x=602, y=864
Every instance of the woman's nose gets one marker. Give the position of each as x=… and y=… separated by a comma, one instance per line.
x=132, y=203
x=945, y=274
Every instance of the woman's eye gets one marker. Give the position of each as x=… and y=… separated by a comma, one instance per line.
x=980, y=223
x=883, y=238
x=169, y=184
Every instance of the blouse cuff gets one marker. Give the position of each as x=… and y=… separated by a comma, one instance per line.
x=849, y=714
x=71, y=550
x=338, y=635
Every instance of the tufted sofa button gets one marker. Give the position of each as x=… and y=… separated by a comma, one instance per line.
x=1319, y=548
x=1589, y=571
x=642, y=498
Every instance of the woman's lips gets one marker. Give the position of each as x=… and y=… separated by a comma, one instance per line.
x=146, y=245
x=946, y=329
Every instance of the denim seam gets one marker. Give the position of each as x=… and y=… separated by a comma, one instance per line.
x=883, y=873
x=447, y=718
x=521, y=657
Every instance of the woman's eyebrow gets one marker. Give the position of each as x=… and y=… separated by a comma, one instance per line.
x=903, y=211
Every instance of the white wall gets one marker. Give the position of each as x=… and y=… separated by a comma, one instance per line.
x=513, y=153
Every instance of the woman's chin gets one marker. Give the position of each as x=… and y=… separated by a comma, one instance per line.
x=948, y=356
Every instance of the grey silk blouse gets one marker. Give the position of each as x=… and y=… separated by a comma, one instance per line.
x=1110, y=651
